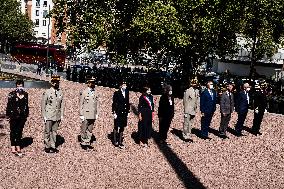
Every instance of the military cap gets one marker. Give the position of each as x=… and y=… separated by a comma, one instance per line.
x=55, y=78
x=91, y=79
x=194, y=81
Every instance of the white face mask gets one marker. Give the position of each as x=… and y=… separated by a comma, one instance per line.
x=211, y=86
x=148, y=92
x=170, y=92
x=248, y=89
x=123, y=88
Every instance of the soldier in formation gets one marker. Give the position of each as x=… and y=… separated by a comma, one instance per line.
x=52, y=105
x=88, y=107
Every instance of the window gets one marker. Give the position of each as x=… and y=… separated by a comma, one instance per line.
x=44, y=23
x=43, y=34
x=37, y=22
x=37, y=3
x=44, y=14
x=45, y=4
x=37, y=12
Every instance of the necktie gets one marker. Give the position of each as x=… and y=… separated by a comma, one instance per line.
x=230, y=97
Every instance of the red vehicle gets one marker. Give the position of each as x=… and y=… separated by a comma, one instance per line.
x=34, y=53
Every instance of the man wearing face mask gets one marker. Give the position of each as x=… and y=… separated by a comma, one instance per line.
x=120, y=111
x=242, y=105
x=226, y=109
x=165, y=113
x=52, y=108
x=190, y=102
x=88, y=107
x=207, y=108
x=17, y=111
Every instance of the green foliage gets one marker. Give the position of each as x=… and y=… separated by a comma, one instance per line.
x=187, y=30
x=14, y=26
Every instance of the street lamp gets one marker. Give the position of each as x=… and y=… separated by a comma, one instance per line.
x=47, y=49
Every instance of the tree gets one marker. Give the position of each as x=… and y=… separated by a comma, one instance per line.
x=14, y=26
x=262, y=24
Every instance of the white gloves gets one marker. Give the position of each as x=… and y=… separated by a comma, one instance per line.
x=61, y=118
x=97, y=116
x=44, y=119
x=114, y=116
x=128, y=114
x=82, y=118
x=185, y=115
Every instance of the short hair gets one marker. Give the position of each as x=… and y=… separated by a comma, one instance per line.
x=167, y=88
x=20, y=82
x=145, y=89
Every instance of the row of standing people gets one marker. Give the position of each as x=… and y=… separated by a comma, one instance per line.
x=52, y=110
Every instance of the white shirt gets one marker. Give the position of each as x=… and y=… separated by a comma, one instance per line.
x=123, y=92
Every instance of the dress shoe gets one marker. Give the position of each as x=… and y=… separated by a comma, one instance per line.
x=116, y=144
x=84, y=147
x=205, y=137
x=54, y=150
x=223, y=136
x=47, y=150
x=90, y=147
x=240, y=134
x=121, y=146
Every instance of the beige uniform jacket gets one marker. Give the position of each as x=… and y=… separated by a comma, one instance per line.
x=52, y=105
x=89, y=104
x=191, y=101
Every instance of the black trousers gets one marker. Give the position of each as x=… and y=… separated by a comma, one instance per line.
x=164, y=126
x=16, y=131
x=225, y=119
x=257, y=121
x=240, y=122
x=120, y=122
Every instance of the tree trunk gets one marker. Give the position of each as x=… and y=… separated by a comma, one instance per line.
x=253, y=58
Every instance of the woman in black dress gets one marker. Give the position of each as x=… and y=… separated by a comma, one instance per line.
x=17, y=111
x=165, y=113
x=145, y=110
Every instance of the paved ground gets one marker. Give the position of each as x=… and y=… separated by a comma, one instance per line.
x=246, y=162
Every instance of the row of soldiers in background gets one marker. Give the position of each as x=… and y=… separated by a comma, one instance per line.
x=155, y=79
x=53, y=111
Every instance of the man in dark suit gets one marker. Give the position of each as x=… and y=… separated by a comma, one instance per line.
x=226, y=109
x=120, y=110
x=242, y=105
x=207, y=108
x=259, y=106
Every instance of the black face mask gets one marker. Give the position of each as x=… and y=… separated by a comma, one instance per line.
x=56, y=86
x=20, y=90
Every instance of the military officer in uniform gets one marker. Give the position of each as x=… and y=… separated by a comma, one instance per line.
x=120, y=110
x=88, y=113
x=52, y=113
x=190, y=103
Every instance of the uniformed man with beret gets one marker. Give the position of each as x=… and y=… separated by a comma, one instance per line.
x=88, y=113
x=120, y=111
x=52, y=113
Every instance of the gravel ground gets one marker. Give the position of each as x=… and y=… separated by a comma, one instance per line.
x=246, y=162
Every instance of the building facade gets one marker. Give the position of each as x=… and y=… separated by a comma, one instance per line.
x=44, y=27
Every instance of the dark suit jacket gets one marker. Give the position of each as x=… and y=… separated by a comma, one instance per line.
x=120, y=105
x=259, y=101
x=242, y=102
x=207, y=104
x=166, y=110
x=226, y=107
x=17, y=108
